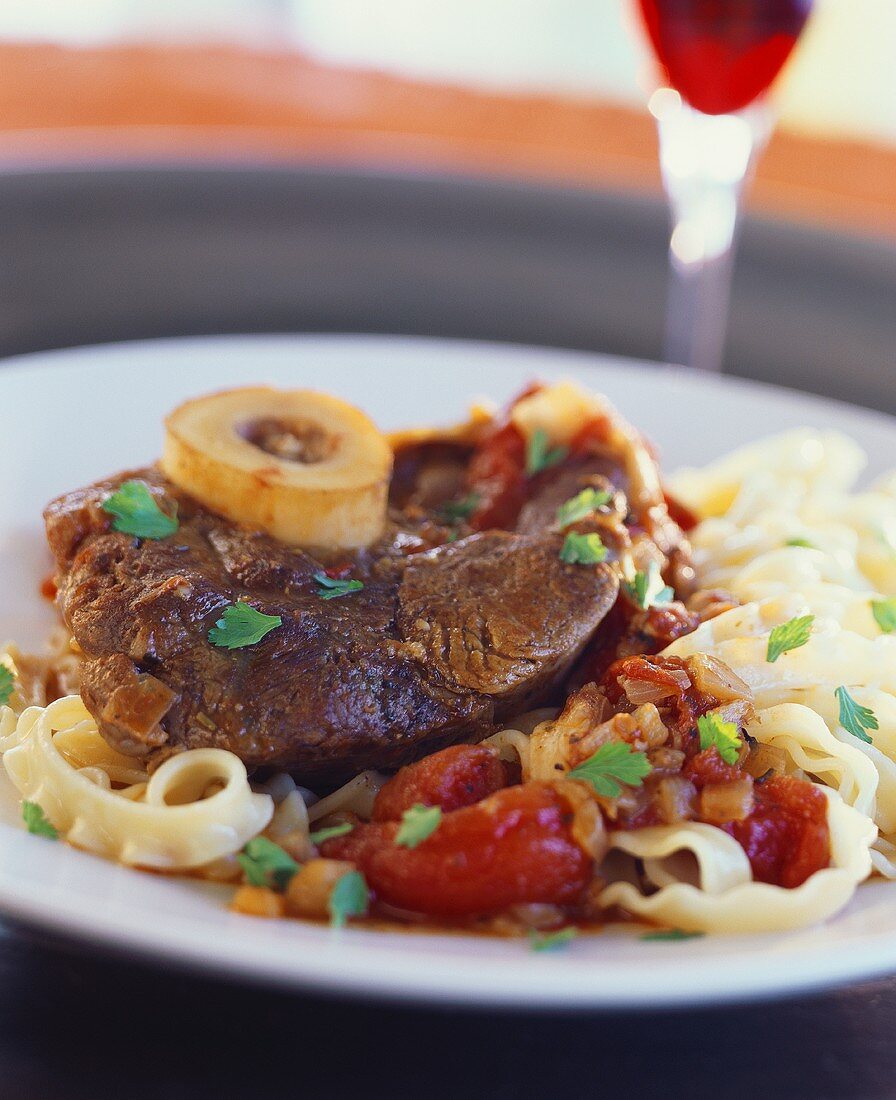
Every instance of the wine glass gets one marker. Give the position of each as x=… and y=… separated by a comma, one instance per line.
x=718, y=59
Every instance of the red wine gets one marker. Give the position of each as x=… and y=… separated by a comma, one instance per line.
x=720, y=55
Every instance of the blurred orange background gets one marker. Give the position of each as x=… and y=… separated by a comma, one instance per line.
x=177, y=96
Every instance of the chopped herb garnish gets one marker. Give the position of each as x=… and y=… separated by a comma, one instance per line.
x=790, y=635
x=614, y=763
x=241, y=625
x=671, y=935
x=538, y=457
x=7, y=684
x=265, y=863
x=582, y=549
x=350, y=898
x=137, y=512
x=456, y=510
x=37, y=822
x=582, y=505
x=647, y=589
x=418, y=823
x=331, y=588
x=716, y=733
x=551, y=941
x=801, y=542
x=331, y=833
x=854, y=718
x=884, y=612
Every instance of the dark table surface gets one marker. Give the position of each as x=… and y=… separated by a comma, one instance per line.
x=117, y=255
x=75, y=1023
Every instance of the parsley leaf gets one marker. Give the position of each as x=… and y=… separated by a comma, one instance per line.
x=331, y=588
x=581, y=505
x=241, y=625
x=716, y=732
x=671, y=934
x=884, y=612
x=7, y=684
x=801, y=542
x=137, y=512
x=647, y=589
x=551, y=941
x=331, y=833
x=418, y=823
x=582, y=549
x=538, y=457
x=37, y=822
x=855, y=719
x=265, y=863
x=790, y=635
x=350, y=898
x=456, y=510
x=614, y=763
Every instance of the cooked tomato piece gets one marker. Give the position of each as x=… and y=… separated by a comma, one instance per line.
x=707, y=767
x=514, y=847
x=497, y=474
x=452, y=778
x=680, y=513
x=786, y=837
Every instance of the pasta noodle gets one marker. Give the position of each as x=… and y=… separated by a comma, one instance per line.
x=782, y=531
x=703, y=883
x=173, y=823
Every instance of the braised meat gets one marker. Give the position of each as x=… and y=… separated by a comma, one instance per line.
x=438, y=646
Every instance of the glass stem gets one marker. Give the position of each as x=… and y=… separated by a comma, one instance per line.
x=705, y=161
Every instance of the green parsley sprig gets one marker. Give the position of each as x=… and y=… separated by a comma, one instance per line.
x=7, y=685
x=417, y=824
x=582, y=549
x=854, y=718
x=613, y=764
x=539, y=456
x=37, y=822
x=805, y=543
x=884, y=612
x=350, y=898
x=137, y=512
x=647, y=589
x=331, y=588
x=790, y=635
x=716, y=733
x=671, y=935
x=241, y=625
x=265, y=863
x=331, y=832
x=551, y=941
x=582, y=505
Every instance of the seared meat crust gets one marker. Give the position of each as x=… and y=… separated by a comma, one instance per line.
x=435, y=649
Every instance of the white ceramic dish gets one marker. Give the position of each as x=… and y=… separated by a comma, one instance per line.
x=73, y=416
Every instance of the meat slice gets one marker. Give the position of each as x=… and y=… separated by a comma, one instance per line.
x=500, y=615
x=431, y=651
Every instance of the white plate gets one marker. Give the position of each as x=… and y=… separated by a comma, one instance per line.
x=73, y=416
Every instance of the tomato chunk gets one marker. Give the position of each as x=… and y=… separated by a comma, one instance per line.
x=786, y=837
x=452, y=778
x=514, y=847
x=497, y=474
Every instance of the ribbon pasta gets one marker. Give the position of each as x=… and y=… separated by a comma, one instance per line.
x=196, y=807
x=703, y=883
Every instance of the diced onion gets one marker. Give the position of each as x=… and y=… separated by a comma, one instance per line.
x=723, y=802
x=713, y=677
